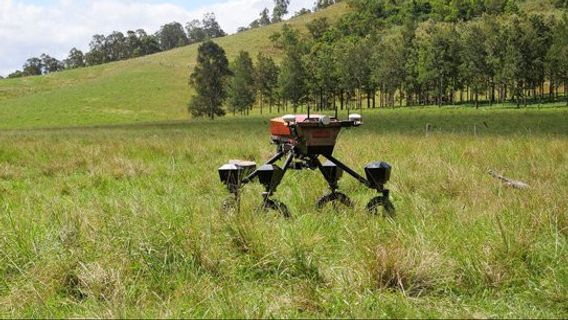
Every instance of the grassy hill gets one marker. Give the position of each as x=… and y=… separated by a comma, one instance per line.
x=150, y=88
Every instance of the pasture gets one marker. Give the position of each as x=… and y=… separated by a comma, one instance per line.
x=126, y=221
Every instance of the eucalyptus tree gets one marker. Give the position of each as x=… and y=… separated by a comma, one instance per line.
x=559, y=51
x=171, y=36
x=75, y=59
x=208, y=79
x=266, y=80
x=241, y=89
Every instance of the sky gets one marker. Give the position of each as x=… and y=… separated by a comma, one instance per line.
x=29, y=28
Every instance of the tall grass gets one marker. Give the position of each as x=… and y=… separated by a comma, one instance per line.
x=127, y=222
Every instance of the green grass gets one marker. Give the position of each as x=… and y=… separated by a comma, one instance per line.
x=125, y=221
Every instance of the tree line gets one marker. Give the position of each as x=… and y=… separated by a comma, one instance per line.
x=119, y=46
x=405, y=53
x=280, y=10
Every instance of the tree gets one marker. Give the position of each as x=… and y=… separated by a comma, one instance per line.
x=322, y=74
x=98, y=52
x=241, y=90
x=132, y=45
x=33, y=67
x=318, y=27
x=16, y=74
x=208, y=28
x=149, y=44
x=322, y=4
x=353, y=67
x=75, y=59
x=301, y=12
x=208, y=79
x=116, y=46
x=264, y=19
x=474, y=69
x=266, y=79
x=292, y=80
x=50, y=64
x=559, y=51
x=195, y=32
x=280, y=10
x=211, y=26
x=388, y=61
x=172, y=36
x=438, y=59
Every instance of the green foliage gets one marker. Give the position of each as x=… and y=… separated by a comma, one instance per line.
x=280, y=10
x=172, y=36
x=266, y=79
x=264, y=19
x=318, y=28
x=558, y=64
x=33, y=67
x=241, y=86
x=208, y=79
x=292, y=79
x=322, y=74
x=76, y=59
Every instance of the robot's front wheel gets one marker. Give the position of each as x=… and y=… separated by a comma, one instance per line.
x=381, y=201
x=277, y=206
x=332, y=197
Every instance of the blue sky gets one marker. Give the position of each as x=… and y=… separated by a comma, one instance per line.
x=29, y=28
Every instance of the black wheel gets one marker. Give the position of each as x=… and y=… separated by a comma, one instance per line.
x=378, y=202
x=278, y=206
x=333, y=197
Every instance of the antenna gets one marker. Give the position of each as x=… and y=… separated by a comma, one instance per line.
x=308, y=100
x=335, y=105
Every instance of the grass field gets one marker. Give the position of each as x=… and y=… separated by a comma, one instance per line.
x=125, y=221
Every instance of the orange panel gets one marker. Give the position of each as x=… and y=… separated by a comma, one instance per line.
x=279, y=128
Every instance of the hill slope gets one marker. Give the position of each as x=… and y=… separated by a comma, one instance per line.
x=144, y=89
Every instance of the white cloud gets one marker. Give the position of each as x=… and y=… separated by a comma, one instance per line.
x=28, y=30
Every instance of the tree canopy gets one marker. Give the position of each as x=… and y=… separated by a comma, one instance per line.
x=208, y=79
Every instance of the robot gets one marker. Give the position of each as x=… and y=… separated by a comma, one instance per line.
x=302, y=140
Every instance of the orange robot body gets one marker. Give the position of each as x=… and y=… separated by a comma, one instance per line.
x=279, y=127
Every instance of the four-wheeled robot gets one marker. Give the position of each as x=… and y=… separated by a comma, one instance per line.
x=301, y=140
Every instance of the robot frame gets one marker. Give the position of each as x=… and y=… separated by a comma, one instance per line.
x=302, y=139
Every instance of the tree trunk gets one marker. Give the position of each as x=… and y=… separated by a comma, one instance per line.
x=565, y=93
x=342, y=99
x=492, y=91
x=476, y=100
x=374, y=98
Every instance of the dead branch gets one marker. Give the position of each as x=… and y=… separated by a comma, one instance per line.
x=509, y=182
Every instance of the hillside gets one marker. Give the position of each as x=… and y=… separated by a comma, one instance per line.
x=151, y=88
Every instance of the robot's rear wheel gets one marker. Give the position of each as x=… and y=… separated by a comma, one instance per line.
x=277, y=206
x=334, y=197
x=378, y=202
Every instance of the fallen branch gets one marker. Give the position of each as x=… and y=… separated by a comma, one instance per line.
x=509, y=182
